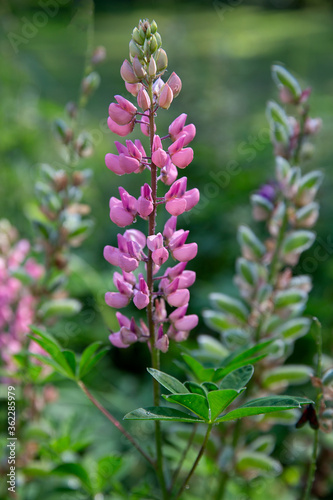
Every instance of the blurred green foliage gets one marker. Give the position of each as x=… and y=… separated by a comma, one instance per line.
x=223, y=56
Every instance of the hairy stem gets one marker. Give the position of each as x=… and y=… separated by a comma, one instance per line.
x=116, y=423
x=196, y=462
x=155, y=353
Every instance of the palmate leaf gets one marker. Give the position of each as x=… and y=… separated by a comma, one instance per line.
x=219, y=400
x=161, y=413
x=50, y=345
x=76, y=470
x=194, y=402
x=237, y=378
x=171, y=383
x=264, y=405
x=90, y=358
x=201, y=373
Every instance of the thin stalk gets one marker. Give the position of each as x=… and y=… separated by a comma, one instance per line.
x=304, y=116
x=225, y=474
x=275, y=264
x=313, y=464
x=155, y=353
x=116, y=423
x=196, y=462
x=183, y=456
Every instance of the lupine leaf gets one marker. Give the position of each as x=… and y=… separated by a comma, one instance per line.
x=288, y=374
x=237, y=378
x=195, y=388
x=71, y=360
x=264, y=405
x=282, y=77
x=75, y=470
x=90, y=358
x=257, y=463
x=161, y=413
x=219, y=400
x=230, y=305
x=202, y=374
x=218, y=321
x=194, y=402
x=171, y=383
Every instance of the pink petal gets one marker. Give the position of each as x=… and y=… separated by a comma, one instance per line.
x=183, y=157
x=123, y=320
x=145, y=207
x=141, y=300
x=125, y=104
x=137, y=236
x=176, y=207
x=187, y=322
x=121, y=217
x=178, y=298
x=177, y=145
x=155, y=241
x=186, y=252
x=170, y=227
x=128, y=164
x=159, y=158
x=127, y=263
x=160, y=256
x=192, y=197
x=111, y=254
x=127, y=336
x=186, y=279
x=116, y=300
x=133, y=88
x=178, y=313
x=162, y=344
x=189, y=132
x=112, y=162
x=116, y=340
x=121, y=130
x=177, y=126
x=119, y=115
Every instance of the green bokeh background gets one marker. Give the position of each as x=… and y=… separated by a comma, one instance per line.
x=223, y=52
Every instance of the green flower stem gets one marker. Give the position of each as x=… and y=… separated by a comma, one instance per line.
x=155, y=353
x=313, y=465
x=275, y=264
x=196, y=462
x=183, y=456
x=304, y=116
x=116, y=423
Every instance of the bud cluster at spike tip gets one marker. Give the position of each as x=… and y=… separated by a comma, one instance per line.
x=142, y=74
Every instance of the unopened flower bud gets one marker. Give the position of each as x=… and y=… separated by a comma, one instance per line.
x=174, y=83
x=127, y=72
x=133, y=88
x=138, y=68
x=153, y=44
x=152, y=67
x=99, y=55
x=77, y=178
x=137, y=36
x=153, y=27
x=143, y=99
x=166, y=97
x=71, y=109
x=64, y=132
x=158, y=39
x=135, y=50
x=60, y=180
x=91, y=83
x=148, y=31
x=161, y=60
